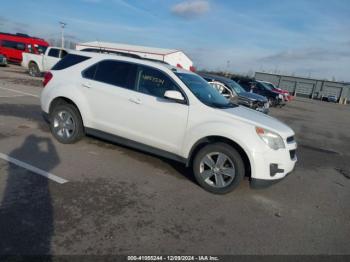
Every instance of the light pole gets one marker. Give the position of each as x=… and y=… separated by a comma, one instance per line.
x=63, y=25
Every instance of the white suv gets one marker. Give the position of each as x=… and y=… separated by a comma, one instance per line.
x=169, y=112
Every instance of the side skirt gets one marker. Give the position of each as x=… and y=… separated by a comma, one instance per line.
x=132, y=144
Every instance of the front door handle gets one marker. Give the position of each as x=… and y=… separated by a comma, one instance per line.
x=87, y=85
x=135, y=100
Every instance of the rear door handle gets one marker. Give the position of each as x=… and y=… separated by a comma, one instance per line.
x=87, y=85
x=135, y=100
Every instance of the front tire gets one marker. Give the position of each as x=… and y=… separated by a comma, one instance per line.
x=218, y=168
x=66, y=124
x=273, y=102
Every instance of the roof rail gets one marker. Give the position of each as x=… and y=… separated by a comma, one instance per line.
x=106, y=51
x=21, y=35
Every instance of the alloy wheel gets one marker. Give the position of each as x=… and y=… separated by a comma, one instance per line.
x=217, y=169
x=63, y=124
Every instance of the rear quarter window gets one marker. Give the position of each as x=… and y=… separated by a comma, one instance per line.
x=68, y=61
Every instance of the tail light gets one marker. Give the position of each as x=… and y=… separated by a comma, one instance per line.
x=47, y=77
x=179, y=66
x=192, y=69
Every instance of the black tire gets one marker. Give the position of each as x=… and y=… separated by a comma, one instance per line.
x=33, y=69
x=75, y=120
x=209, y=183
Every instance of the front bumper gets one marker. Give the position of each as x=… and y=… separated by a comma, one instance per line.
x=45, y=116
x=262, y=183
x=273, y=165
x=260, y=107
x=264, y=110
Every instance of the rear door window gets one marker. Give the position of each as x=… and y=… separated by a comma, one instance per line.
x=54, y=52
x=63, y=53
x=14, y=45
x=90, y=72
x=21, y=46
x=117, y=73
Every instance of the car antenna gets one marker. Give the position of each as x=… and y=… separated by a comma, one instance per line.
x=99, y=44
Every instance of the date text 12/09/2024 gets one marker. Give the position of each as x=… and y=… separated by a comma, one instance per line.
x=173, y=258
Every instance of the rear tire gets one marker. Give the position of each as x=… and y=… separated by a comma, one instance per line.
x=33, y=70
x=66, y=124
x=218, y=168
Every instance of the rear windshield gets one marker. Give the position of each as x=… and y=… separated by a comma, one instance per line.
x=68, y=61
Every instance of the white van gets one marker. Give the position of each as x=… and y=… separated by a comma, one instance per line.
x=170, y=56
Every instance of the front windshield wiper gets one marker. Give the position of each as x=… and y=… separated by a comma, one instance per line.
x=221, y=106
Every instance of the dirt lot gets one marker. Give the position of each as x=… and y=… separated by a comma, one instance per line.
x=121, y=201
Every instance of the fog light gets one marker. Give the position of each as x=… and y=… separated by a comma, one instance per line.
x=274, y=169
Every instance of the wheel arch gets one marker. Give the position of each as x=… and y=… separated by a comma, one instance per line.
x=61, y=100
x=33, y=62
x=214, y=139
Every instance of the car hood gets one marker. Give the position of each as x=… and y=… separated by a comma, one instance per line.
x=253, y=96
x=281, y=91
x=257, y=119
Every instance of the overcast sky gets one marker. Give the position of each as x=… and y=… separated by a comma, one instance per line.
x=301, y=37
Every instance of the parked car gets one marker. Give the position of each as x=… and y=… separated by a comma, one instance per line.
x=166, y=111
x=12, y=46
x=3, y=60
x=233, y=91
x=37, y=64
x=286, y=95
x=274, y=98
x=332, y=98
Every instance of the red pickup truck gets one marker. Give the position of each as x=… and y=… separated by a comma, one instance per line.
x=285, y=93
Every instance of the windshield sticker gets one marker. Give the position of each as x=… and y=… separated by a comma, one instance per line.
x=153, y=79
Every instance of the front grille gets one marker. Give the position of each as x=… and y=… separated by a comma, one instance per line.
x=243, y=101
x=290, y=139
x=292, y=154
x=260, y=104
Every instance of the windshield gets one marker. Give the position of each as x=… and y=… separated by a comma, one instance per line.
x=265, y=85
x=236, y=87
x=204, y=92
x=270, y=85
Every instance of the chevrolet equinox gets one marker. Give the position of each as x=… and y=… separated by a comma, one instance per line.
x=169, y=112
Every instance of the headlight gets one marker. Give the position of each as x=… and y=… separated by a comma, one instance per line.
x=271, y=139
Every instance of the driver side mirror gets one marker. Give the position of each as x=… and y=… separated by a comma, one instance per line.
x=174, y=95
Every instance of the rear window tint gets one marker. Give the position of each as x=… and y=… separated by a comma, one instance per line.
x=68, y=61
x=54, y=52
x=117, y=73
x=90, y=72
